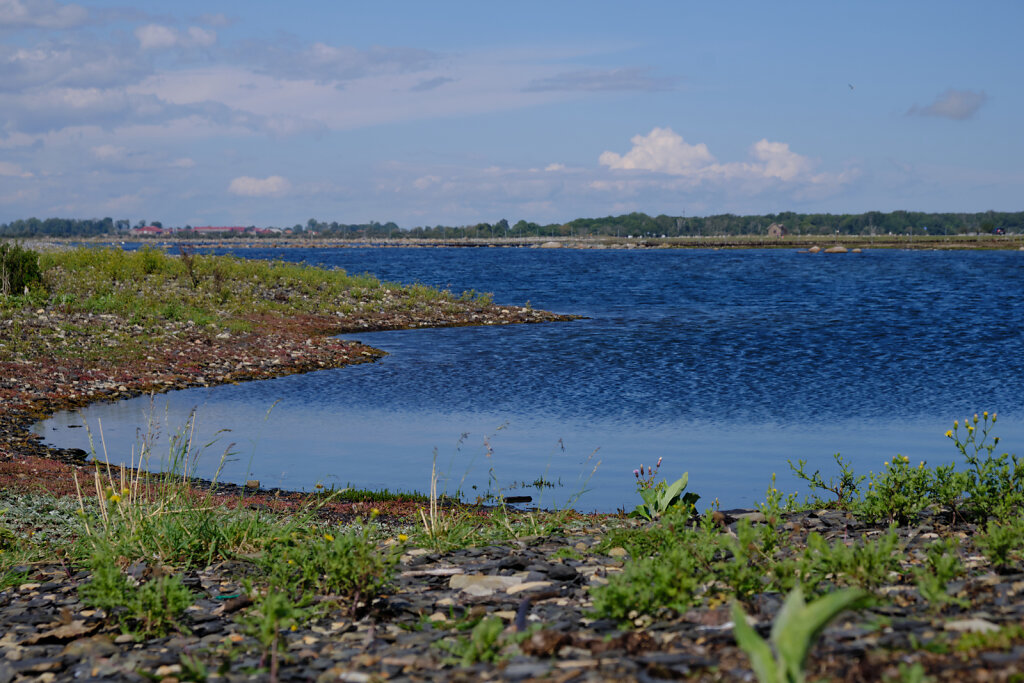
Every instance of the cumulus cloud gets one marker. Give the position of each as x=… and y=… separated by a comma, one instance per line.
x=661, y=151
x=666, y=153
x=271, y=186
x=601, y=80
x=158, y=37
x=958, y=105
x=45, y=14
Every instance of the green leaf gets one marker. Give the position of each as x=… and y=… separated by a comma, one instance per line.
x=672, y=491
x=798, y=625
x=761, y=658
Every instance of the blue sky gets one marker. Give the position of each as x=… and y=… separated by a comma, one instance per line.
x=267, y=113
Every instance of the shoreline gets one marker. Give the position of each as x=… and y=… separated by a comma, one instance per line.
x=734, y=242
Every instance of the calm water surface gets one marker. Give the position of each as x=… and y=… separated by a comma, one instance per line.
x=726, y=364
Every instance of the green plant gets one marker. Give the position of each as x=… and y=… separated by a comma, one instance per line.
x=152, y=608
x=670, y=580
x=19, y=269
x=942, y=565
x=845, y=488
x=909, y=673
x=347, y=565
x=899, y=493
x=1002, y=543
x=995, y=484
x=797, y=626
x=272, y=613
x=484, y=643
x=866, y=564
x=660, y=497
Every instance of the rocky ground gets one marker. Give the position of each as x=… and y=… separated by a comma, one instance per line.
x=537, y=587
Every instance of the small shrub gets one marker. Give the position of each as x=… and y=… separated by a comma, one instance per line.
x=1003, y=543
x=19, y=269
x=154, y=608
x=866, y=564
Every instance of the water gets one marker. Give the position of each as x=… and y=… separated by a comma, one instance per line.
x=725, y=363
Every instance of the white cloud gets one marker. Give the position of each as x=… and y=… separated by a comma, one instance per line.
x=157, y=37
x=777, y=161
x=958, y=105
x=40, y=14
x=426, y=181
x=601, y=80
x=271, y=186
x=183, y=162
x=13, y=170
x=684, y=166
x=554, y=167
x=108, y=152
x=661, y=151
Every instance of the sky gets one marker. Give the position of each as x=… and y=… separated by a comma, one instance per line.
x=424, y=113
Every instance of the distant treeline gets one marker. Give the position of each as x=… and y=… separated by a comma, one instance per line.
x=633, y=224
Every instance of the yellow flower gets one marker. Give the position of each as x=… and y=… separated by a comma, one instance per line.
x=985, y=415
x=949, y=433
x=114, y=498
x=970, y=429
x=956, y=424
x=291, y=561
x=294, y=627
x=328, y=537
x=921, y=466
x=403, y=538
x=125, y=491
x=374, y=513
x=886, y=463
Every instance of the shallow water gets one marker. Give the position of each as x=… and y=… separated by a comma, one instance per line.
x=726, y=364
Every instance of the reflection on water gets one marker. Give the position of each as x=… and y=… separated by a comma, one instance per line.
x=725, y=363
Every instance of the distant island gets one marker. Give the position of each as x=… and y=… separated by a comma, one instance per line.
x=629, y=226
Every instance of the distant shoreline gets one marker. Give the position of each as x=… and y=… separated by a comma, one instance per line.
x=796, y=242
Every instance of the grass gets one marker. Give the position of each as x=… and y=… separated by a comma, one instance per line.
x=155, y=297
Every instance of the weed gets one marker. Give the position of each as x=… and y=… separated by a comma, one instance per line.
x=942, y=565
x=659, y=497
x=484, y=643
x=794, y=630
x=271, y=614
x=909, y=673
x=1002, y=543
x=845, y=488
x=1005, y=638
x=899, y=493
x=346, y=565
x=19, y=269
x=865, y=564
x=152, y=608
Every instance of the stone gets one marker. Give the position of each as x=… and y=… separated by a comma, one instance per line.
x=971, y=626
x=836, y=250
x=482, y=585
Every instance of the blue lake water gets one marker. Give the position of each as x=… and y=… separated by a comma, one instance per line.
x=726, y=364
